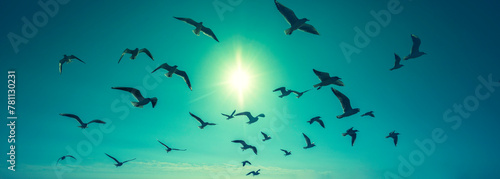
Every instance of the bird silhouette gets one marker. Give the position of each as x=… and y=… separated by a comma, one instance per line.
x=199, y=27
x=229, y=116
x=64, y=157
x=318, y=120
x=254, y=173
x=251, y=118
x=136, y=52
x=203, y=123
x=309, y=144
x=173, y=70
x=168, y=148
x=287, y=153
x=266, y=137
x=369, y=113
x=394, y=136
x=137, y=94
x=351, y=133
x=346, y=105
x=283, y=91
x=67, y=59
x=299, y=94
x=82, y=124
x=245, y=146
x=326, y=79
x=246, y=162
x=295, y=22
x=397, y=64
x=415, y=48
x=118, y=163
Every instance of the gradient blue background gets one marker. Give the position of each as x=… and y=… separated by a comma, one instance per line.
x=460, y=37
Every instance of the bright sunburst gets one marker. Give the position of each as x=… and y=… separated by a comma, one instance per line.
x=240, y=80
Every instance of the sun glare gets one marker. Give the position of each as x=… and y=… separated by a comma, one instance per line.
x=240, y=80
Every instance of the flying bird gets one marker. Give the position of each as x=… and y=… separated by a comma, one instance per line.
x=295, y=22
x=283, y=91
x=326, y=79
x=369, y=113
x=250, y=117
x=168, y=148
x=136, y=52
x=82, y=124
x=346, y=104
x=203, y=123
x=299, y=94
x=229, y=116
x=287, y=153
x=308, y=142
x=173, y=69
x=415, y=52
x=318, y=120
x=64, y=157
x=352, y=133
x=394, y=136
x=137, y=94
x=266, y=137
x=67, y=59
x=254, y=172
x=118, y=163
x=199, y=27
x=246, y=162
x=397, y=62
x=245, y=146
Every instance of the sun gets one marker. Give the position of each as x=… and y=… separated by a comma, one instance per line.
x=240, y=80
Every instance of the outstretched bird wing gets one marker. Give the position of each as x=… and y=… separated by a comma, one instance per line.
x=281, y=89
x=289, y=15
x=137, y=94
x=395, y=140
x=321, y=123
x=187, y=20
x=264, y=134
x=254, y=149
x=321, y=75
x=344, y=101
x=353, y=139
x=184, y=76
x=71, y=156
x=197, y=118
x=74, y=57
x=112, y=158
x=164, y=66
x=73, y=116
x=163, y=144
x=128, y=160
x=248, y=114
x=416, y=44
x=308, y=141
x=97, y=121
x=124, y=52
x=233, y=112
x=284, y=150
x=146, y=51
x=309, y=28
x=209, y=32
x=240, y=142
x=398, y=60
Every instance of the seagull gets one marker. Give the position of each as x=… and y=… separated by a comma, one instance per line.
x=250, y=117
x=415, y=52
x=318, y=120
x=203, y=123
x=369, y=113
x=168, y=148
x=299, y=94
x=173, y=69
x=295, y=22
x=394, y=136
x=199, y=27
x=308, y=142
x=266, y=137
x=118, y=163
x=287, y=153
x=346, y=104
x=137, y=94
x=254, y=172
x=229, y=116
x=397, y=62
x=64, y=157
x=283, y=91
x=136, y=52
x=67, y=59
x=246, y=146
x=352, y=133
x=82, y=124
x=246, y=162
x=326, y=79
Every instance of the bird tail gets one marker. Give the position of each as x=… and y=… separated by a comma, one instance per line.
x=344, y=134
x=340, y=116
x=197, y=32
x=288, y=31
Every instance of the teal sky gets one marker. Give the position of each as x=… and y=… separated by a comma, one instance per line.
x=460, y=38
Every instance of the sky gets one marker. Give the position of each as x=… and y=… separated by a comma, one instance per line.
x=420, y=100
